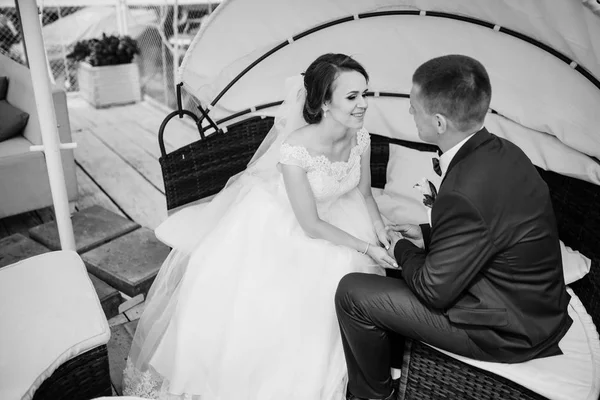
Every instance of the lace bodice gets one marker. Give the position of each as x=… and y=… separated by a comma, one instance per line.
x=328, y=180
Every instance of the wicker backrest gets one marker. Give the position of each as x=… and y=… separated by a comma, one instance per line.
x=202, y=168
x=577, y=208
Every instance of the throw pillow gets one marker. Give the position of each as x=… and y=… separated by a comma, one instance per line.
x=12, y=120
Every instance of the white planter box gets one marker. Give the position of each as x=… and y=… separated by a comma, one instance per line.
x=109, y=85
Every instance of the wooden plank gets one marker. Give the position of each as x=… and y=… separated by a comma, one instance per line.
x=177, y=133
x=92, y=227
x=151, y=104
x=109, y=297
x=144, y=117
x=123, y=184
x=81, y=113
x=132, y=153
x=21, y=223
x=129, y=271
x=185, y=125
x=118, y=350
x=46, y=214
x=132, y=326
x=136, y=312
x=91, y=195
x=117, y=320
x=145, y=139
x=4, y=232
x=130, y=302
x=17, y=247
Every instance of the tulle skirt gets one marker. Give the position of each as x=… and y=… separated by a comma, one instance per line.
x=249, y=314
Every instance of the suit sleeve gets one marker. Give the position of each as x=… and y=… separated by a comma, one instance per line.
x=460, y=247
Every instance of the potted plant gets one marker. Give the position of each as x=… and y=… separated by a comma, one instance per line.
x=107, y=74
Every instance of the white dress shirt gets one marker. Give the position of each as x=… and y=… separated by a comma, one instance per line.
x=446, y=157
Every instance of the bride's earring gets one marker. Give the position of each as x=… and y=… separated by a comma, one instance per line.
x=325, y=114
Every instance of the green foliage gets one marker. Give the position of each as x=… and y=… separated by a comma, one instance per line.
x=109, y=50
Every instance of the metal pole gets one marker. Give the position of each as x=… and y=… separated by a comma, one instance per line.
x=36, y=54
x=175, y=53
x=163, y=45
x=41, y=18
x=122, y=10
x=24, y=44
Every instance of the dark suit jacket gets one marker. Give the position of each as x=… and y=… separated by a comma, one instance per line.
x=492, y=260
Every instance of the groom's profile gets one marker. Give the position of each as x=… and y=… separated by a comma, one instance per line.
x=485, y=279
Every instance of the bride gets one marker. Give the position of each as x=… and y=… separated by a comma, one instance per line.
x=243, y=307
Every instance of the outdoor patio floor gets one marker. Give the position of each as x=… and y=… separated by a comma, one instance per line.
x=117, y=168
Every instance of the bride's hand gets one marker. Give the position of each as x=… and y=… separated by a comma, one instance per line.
x=381, y=257
x=383, y=235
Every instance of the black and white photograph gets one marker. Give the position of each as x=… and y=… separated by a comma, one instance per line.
x=300, y=200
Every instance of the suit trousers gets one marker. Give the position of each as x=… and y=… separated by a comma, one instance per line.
x=375, y=313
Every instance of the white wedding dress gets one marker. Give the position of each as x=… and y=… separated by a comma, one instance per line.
x=248, y=313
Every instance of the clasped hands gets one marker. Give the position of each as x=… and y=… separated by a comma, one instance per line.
x=388, y=236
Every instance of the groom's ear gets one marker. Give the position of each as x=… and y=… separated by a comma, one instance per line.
x=441, y=123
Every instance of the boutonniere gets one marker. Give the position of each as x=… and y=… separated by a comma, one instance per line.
x=428, y=191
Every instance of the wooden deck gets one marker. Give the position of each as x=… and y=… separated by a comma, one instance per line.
x=117, y=157
x=117, y=162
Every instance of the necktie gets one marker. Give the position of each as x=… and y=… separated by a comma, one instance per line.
x=436, y=166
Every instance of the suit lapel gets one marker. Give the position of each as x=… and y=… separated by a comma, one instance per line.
x=481, y=137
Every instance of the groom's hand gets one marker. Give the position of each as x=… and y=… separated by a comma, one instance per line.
x=394, y=237
x=410, y=232
x=383, y=235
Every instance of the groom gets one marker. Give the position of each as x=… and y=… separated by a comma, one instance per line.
x=485, y=280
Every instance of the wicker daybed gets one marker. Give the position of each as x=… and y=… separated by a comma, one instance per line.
x=224, y=75
x=202, y=168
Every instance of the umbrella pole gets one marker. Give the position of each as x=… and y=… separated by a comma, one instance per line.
x=36, y=54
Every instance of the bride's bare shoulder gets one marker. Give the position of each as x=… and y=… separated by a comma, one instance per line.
x=303, y=137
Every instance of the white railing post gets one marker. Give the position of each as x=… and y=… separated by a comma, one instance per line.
x=36, y=54
x=175, y=53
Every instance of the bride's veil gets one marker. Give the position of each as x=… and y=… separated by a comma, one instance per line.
x=288, y=119
x=184, y=230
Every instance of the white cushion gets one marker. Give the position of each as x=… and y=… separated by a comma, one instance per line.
x=16, y=146
x=169, y=231
x=50, y=314
x=399, y=201
x=575, y=264
x=545, y=151
x=574, y=375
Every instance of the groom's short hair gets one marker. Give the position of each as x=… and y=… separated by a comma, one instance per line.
x=455, y=86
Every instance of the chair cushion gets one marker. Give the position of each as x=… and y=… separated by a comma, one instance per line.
x=12, y=120
x=17, y=146
x=50, y=314
x=574, y=375
x=168, y=233
x=399, y=201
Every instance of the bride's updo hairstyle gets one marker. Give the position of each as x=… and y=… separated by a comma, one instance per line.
x=318, y=81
